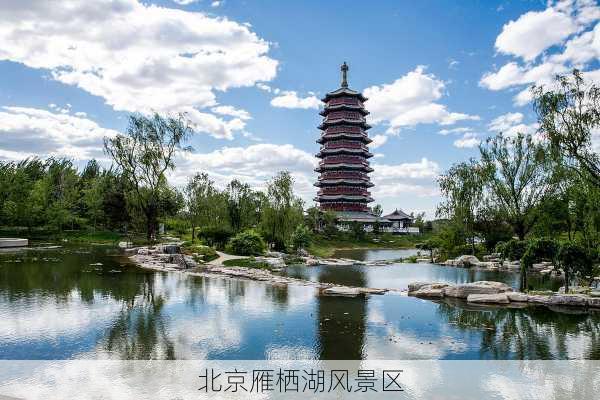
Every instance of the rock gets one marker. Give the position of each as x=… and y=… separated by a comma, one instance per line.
x=302, y=253
x=517, y=297
x=124, y=245
x=414, y=286
x=311, y=261
x=466, y=261
x=500, y=298
x=275, y=254
x=480, y=287
x=593, y=301
x=568, y=300
x=143, y=251
x=595, y=293
x=538, y=299
x=341, y=291
x=273, y=262
x=169, y=248
x=423, y=260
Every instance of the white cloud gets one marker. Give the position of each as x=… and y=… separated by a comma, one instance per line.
x=411, y=100
x=290, y=99
x=378, y=140
x=232, y=111
x=216, y=4
x=35, y=132
x=566, y=34
x=534, y=32
x=468, y=141
x=455, y=130
x=137, y=57
x=185, y=2
x=511, y=124
x=422, y=169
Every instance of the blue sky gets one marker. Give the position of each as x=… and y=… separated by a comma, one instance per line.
x=441, y=77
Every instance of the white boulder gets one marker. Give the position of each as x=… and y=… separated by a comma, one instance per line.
x=499, y=298
x=480, y=287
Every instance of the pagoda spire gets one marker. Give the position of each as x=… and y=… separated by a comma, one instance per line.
x=344, y=69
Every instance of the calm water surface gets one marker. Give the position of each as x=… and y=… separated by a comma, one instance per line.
x=57, y=304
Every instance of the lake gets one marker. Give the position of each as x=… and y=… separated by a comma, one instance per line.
x=62, y=304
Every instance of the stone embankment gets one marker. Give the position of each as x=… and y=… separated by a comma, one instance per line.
x=168, y=257
x=488, y=292
x=493, y=262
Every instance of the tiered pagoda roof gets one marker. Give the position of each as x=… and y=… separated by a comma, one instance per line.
x=344, y=152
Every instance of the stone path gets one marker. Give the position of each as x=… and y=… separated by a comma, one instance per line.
x=223, y=257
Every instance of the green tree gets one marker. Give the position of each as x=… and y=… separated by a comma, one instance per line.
x=302, y=237
x=247, y=243
x=358, y=230
x=518, y=177
x=574, y=260
x=568, y=115
x=144, y=155
x=281, y=212
x=462, y=188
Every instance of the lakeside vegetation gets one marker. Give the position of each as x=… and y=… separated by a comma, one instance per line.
x=527, y=197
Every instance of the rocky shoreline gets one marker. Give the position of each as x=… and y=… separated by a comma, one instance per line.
x=488, y=292
x=167, y=257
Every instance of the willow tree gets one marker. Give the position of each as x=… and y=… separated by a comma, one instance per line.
x=518, y=178
x=569, y=116
x=144, y=155
x=462, y=188
x=281, y=211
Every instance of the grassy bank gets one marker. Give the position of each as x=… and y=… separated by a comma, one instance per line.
x=322, y=246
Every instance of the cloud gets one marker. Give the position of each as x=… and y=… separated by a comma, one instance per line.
x=409, y=101
x=566, y=35
x=232, y=111
x=35, y=132
x=378, y=140
x=455, y=130
x=511, y=124
x=290, y=99
x=541, y=29
x=185, y=2
x=468, y=141
x=396, y=181
x=137, y=57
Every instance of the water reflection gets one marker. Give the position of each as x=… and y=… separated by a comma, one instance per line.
x=62, y=304
x=341, y=320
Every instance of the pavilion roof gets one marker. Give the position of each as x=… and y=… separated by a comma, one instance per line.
x=398, y=215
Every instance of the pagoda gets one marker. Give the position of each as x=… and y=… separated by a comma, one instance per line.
x=344, y=167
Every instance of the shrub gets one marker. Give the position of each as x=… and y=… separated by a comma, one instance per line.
x=513, y=249
x=301, y=237
x=575, y=260
x=536, y=250
x=215, y=235
x=358, y=230
x=247, y=262
x=247, y=243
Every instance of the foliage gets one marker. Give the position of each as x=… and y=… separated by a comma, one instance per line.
x=575, y=261
x=250, y=262
x=462, y=188
x=358, y=230
x=247, y=243
x=215, y=235
x=540, y=249
x=206, y=253
x=144, y=155
x=518, y=177
x=281, y=211
x=329, y=223
x=512, y=250
x=569, y=114
x=301, y=237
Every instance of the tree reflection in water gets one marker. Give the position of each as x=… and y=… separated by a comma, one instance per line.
x=528, y=332
x=341, y=321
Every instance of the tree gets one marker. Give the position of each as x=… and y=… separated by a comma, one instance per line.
x=247, y=243
x=574, y=260
x=358, y=230
x=281, y=211
x=462, y=187
x=329, y=223
x=242, y=205
x=144, y=155
x=518, y=177
x=568, y=115
x=540, y=249
x=301, y=237
x=377, y=210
